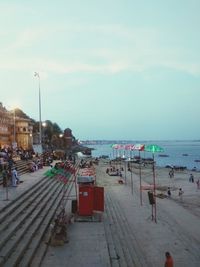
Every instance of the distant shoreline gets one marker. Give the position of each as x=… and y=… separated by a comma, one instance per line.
x=104, y=142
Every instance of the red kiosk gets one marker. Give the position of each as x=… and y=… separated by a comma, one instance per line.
x=90, y=196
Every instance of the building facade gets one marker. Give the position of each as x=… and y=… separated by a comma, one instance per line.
x=14, y=130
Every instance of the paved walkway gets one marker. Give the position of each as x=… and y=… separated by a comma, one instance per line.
x=87, y=243
x=87, y=247
x=27, y=180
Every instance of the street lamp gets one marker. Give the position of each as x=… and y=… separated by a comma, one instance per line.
x=40, y=116
x=14, y=127
x=44, y=125
x=14, y=144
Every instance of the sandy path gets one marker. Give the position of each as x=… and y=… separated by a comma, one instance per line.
x=177, y=227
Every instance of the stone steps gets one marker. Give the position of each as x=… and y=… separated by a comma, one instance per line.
x=124, y=248
x=11, y=206
x=25, y=221
x=22, y=168
x=29, y=233
x=21, y=215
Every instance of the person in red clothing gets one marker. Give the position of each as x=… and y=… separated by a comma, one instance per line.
x=169, y=260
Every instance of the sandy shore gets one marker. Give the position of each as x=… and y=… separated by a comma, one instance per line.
x=191, y=194
x=177, y=227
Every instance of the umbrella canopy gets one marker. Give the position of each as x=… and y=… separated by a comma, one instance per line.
x=117, y=146
x=139, y=147
x=128, y=146
x=153, y=148
x=114, y=146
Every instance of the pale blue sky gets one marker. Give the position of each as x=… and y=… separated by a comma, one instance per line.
x=110, y=69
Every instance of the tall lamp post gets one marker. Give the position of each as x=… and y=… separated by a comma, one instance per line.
x=154, y=149
x=139, y=147
x=40, y=116
x=14, y=144
x=14, y=128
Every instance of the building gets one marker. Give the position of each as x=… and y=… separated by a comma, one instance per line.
x=6, y=123
x=23, y=132
x=68, y=137
x=15, y=131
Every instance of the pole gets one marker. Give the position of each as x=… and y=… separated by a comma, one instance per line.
x=40, y=116
x=140, y=173
x=14, y=127
x=7, y=198
x=154, y=190
x=40, y=112
x=125, y=170
x=5, y=176
x=131, y=180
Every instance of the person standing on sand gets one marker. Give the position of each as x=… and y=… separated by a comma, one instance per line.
x=171, y=173
x=180, y=193
x=169, y=260
x=168, y=192
x=191, y=179
x=198, y=184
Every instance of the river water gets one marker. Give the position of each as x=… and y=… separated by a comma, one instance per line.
x=176, y=153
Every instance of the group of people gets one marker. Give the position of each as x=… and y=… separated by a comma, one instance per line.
x=180, y=193
x=191, y=180
x=10, y=177
x=8, y=169
x=112, y=171
x=35, y=164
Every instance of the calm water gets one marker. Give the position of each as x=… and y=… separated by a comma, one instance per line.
x=174, y=150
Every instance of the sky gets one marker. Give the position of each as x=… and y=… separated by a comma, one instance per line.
x=109, y=69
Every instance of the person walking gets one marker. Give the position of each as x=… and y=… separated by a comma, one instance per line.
x=168, y=192
x=180, y=194
x=171, y=173
x=191, y=178
x=198, y=184
x=169, y=260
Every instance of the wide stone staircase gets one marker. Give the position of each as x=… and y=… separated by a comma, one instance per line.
x=25, y=221
x=22, y=168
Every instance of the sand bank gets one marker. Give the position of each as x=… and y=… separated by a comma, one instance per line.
x=177, y=227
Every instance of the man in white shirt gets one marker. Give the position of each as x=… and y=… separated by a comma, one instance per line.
x=15, y=177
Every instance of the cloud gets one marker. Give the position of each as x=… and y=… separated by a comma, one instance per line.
x=137, y=50
x=190, y=68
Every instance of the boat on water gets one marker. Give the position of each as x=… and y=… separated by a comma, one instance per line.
x=104, y=157
x=163, y=155
x=197, y=160
x=185, y=155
